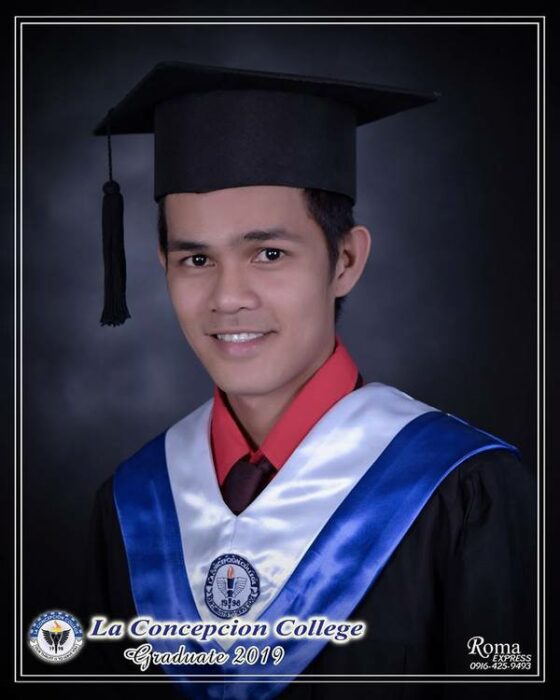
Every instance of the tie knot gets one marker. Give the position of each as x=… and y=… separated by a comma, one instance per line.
x=244, y=482
x=264, y=466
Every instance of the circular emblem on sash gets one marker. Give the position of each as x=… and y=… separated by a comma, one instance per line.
x=232, y=586
x=55, y=636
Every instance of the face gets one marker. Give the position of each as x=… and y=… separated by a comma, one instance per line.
x=249, y=279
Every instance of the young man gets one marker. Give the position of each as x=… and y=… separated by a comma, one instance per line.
x=298, y=492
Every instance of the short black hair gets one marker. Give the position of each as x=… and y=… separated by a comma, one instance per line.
x=331, y=210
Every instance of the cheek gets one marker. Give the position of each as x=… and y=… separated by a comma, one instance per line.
x=186, y=299
x=303, y=295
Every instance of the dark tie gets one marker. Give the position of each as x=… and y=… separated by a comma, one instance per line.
x=244, y=482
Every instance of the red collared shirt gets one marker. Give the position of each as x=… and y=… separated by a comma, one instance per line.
x=333, y=380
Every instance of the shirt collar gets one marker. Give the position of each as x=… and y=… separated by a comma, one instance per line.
x=335, y=378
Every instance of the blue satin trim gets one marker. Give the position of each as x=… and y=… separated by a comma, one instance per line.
x=353, y=546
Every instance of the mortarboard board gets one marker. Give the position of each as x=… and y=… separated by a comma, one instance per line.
x=216, y=128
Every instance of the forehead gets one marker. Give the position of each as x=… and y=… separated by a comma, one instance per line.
x=238, y=209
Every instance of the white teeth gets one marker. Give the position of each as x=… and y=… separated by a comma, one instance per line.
x=238, y=337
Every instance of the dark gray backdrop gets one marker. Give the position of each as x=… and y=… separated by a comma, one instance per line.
x=446, y=310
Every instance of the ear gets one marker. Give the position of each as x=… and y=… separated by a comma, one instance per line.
x=353, y=253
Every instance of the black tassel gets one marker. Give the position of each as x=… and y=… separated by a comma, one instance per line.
x=115, y=311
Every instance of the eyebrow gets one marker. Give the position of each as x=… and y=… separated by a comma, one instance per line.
x=273, y=234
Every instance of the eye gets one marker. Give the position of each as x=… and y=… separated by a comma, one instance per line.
x=197, y=260
x=270, y=255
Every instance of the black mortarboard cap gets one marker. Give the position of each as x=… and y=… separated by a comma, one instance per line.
x=217, y=128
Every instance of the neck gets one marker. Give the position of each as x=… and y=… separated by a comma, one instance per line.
x=257, y=414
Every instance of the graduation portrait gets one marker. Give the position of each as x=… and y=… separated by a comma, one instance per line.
x=281, y=358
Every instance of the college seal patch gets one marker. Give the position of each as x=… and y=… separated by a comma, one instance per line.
x=55, y=636
x=232, y=586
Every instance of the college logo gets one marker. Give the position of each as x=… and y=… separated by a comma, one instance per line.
x=55, y=636
x=232, y=586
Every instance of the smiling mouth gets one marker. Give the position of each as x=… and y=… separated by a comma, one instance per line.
x=243, y=337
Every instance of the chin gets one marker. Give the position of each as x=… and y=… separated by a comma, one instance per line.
x=247, y=386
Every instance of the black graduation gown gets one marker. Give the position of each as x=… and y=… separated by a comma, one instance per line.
x=466, y=567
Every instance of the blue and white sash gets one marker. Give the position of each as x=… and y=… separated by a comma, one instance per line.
x=318, y=535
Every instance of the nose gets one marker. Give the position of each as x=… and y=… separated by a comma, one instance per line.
x=233, y=290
